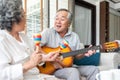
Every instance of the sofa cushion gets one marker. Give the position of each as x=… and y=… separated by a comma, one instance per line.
x=48, y=77
x=92, y=60
x=113, y=74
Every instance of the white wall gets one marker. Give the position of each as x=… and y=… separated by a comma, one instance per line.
x=114, y=6
x=92, y=1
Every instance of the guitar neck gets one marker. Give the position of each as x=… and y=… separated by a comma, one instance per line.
x=81, y=51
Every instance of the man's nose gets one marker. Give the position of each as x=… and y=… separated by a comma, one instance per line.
x=58, y=21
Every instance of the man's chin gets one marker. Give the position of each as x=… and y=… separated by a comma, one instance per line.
x=58, y=30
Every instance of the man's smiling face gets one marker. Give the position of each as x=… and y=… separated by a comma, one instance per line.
x=61, y=23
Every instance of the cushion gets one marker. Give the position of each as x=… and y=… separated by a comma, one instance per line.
x=48, y=77
x=113, y=74
x=116, y=60
x=92, y=60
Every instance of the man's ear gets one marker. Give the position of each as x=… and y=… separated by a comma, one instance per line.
x=69, y=23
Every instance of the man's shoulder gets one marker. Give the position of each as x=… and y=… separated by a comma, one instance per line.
x=74, y=33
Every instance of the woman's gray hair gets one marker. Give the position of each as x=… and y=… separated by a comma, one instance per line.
x=10, y=13
x=69, y=14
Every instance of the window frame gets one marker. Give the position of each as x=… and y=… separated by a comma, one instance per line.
x=93, y=18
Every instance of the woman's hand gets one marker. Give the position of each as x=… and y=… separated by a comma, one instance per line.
x=38, y=57
x=50, y=56
x=35, y=59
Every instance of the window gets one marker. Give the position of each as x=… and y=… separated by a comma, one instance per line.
x=40, y=13
x=33, y=17
x=85, y=22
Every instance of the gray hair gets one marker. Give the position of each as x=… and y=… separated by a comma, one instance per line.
x=10, y=13
x=69, y=14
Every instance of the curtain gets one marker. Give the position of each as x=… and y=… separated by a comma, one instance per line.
x=114, y=30
x=83, y=24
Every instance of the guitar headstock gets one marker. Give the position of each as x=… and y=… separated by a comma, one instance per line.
x=110, y=46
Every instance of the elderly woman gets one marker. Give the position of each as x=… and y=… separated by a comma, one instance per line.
x=18, y=60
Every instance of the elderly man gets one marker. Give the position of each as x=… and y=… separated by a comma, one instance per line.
x=54, y=36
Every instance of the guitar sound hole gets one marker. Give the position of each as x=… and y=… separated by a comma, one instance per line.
x=44, y=65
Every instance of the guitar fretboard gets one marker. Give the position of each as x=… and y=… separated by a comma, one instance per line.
x=81, y=51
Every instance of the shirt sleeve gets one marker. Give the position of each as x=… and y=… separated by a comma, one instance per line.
x=9, y=71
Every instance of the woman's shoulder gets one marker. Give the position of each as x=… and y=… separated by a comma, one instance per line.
x=2, y=35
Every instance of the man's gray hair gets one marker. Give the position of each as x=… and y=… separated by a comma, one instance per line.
x=10, y=12
x=70, y=15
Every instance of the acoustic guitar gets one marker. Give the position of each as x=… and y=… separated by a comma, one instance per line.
x=66, y=54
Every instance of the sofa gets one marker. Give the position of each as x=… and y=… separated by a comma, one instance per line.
x=111, y=73
x=106, y=63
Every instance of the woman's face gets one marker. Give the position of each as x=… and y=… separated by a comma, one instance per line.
x=21, y=25
x=22, y=22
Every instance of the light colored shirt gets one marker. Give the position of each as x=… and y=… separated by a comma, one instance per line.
x=52, y=39
x=12, y=54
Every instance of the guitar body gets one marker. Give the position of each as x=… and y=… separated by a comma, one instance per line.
x=48, y=67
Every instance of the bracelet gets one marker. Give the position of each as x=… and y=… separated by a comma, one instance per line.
x=42, y=63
